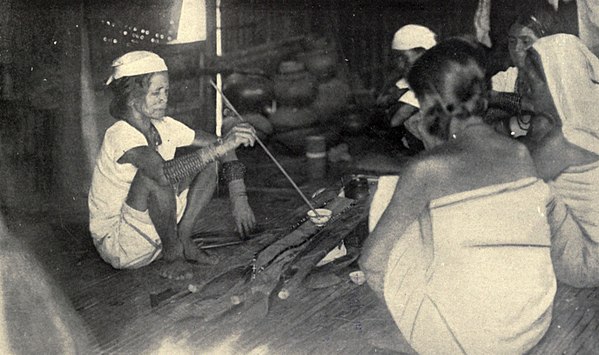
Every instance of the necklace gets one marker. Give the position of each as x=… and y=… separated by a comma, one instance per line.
x=155, y=136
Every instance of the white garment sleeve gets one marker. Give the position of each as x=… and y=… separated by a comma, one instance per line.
x=180, y=135
x=121, y=138
x=505, y=81
x=382, y=197
x=410, y=98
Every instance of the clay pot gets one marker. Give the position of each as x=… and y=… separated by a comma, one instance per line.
x=286, y=118
x=332, y=100
x=357, y=188
x=248, y=93
x=319, y=43
x=322, y=63
x=355, y=121
x=291, y=67
x=262, y=125
x=294, y=86
x=295, y=140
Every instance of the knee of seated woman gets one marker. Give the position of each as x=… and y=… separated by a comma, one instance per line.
x=142, y=187
x=206, y=178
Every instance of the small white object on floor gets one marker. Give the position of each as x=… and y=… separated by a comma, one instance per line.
x=357, y=277
x=324, y=215
x=333, y=255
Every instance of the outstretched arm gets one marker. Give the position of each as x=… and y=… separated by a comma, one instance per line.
x=233, y=173
x=409, y=200
x=172, y=171
x=203, y=139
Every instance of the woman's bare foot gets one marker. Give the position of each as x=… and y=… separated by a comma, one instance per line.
x=192, y=253
x=177, y=269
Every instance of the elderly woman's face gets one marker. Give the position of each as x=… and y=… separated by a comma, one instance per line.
x=520, y=40
x=153, y=104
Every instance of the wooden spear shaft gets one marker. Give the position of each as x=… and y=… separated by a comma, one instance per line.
x=232, y=108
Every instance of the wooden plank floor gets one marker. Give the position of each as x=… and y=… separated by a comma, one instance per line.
x=344, y=318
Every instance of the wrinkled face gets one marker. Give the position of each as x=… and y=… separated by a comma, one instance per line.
x=520, y=40
x=534, y=87
x=153, y=104
x=403, y=60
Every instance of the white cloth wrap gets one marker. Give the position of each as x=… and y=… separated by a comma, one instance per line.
x=136, y=63
x=572, y=74
x=474, y=274
x=413, y=36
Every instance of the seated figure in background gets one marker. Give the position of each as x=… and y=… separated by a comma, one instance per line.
x=408, y=44
x=461, y=252
x=143, y=203
x=562, y=83
x=506, y=110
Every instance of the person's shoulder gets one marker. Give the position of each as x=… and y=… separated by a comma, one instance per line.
x=431, y=165
x=512, y=148
x=122, y=135
x=119, y=128
x=168, y=121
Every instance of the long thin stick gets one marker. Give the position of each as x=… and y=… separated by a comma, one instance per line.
x=232, y=108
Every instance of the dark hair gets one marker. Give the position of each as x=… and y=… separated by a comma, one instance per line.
x=454, y=73
x=540, y=17
x=126, y=88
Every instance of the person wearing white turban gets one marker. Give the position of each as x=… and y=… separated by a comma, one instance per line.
x=144, y=202
x=561, y=82
x=408, y=44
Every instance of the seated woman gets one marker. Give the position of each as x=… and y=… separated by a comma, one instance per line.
x=537, y=20
x=143, y=203
x=562, y=83
x=461, y=255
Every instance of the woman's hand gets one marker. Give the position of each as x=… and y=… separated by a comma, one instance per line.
x=240, y=208
x=241, y=134
x=243, y=215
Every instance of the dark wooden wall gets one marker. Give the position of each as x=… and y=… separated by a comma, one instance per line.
x=361, y=29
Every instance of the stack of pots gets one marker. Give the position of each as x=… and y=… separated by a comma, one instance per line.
x=334, y=94
x=295, y=89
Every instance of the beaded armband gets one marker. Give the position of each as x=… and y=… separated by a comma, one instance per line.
x=233, y=170
x=510, y=102
x=188, y=165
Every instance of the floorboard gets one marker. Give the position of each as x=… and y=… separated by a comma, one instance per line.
x=344, y=318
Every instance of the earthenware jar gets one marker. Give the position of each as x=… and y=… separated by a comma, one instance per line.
x=249, y=93
x=322, y=63
x=357, y=188
x=332, y=99
x=286, y=118
x=294, y=86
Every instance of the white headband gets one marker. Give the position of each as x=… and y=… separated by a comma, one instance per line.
x=413, y=36
x=136, y=63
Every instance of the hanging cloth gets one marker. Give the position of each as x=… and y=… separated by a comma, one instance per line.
x=482, y=22
x=588, y=23
x=572, y=74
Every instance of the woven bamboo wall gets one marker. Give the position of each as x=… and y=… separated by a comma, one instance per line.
x=362, y=28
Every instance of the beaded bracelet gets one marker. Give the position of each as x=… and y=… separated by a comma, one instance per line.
x=190, y=164
x=233, y=170
x=510, y=102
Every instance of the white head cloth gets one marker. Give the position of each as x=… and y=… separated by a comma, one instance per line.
x=413, y=36
x=571, y=71
x=136, y=63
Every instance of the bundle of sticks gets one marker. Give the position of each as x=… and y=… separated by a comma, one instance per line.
x=283, y=265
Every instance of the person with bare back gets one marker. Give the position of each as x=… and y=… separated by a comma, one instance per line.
x=143, y=201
